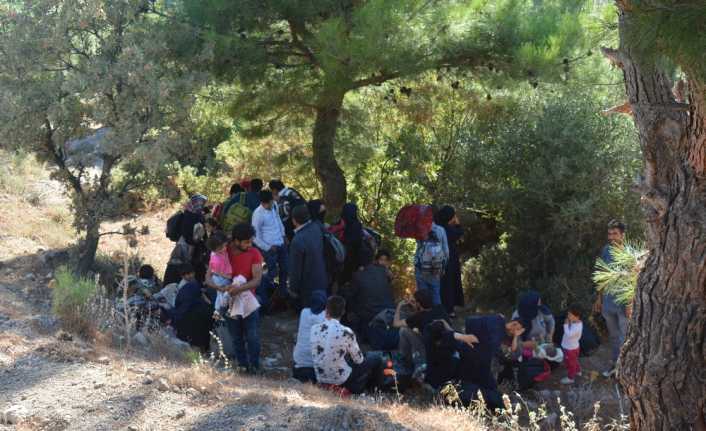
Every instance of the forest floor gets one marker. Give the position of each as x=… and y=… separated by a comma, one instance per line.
x=52, y=380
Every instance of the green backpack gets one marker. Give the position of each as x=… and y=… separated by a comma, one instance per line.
x=236, y=214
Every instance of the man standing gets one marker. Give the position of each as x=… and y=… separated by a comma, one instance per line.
x=270, y=240
x=331, y=345
x=615, y=315
x=247, y=262
x=306, y=258
x=286, y=198
x=430, y=262
x=252, y=199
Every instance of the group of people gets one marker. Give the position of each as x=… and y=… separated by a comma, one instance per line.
x=264, y=249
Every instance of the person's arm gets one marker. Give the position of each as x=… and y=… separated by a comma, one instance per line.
x=353, y=348
x=551, y=326
x=185, y=299
x=445, y=245
x=251, y=284
x=396, y=321
x=257, y=223
x=572, y=331
x=296, y=262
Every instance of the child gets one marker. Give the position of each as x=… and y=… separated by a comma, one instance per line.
x=573, y=328
x=221, y=271
x=244, y=303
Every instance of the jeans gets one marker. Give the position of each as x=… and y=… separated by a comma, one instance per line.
x=617, y=324
x=246, y=332
x=429, y=282
x=363, y=374
x=276, y=261
x=304, y=374
x=412, y=349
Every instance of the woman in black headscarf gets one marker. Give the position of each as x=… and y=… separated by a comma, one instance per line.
x=451, y=287
x=353, y=240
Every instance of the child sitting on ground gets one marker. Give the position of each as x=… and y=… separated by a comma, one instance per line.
x=573, y=328
x=221, y=271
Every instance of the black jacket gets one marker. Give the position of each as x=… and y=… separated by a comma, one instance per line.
x=307, y=268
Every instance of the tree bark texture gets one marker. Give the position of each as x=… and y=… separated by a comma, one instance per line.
x=88, y=250
x=327, y=169
x=663, y=361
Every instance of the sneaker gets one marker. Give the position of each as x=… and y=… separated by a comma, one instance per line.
x=609, y=373
x=567, y=381
x=579, y=374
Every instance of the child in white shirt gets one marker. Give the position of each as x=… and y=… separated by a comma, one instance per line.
x=573, y=329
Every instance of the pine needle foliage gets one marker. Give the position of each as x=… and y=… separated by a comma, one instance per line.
x=619, y=277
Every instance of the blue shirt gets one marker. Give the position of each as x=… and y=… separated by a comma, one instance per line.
x=609, y=303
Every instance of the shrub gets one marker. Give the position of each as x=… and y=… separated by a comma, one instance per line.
x=71, y=298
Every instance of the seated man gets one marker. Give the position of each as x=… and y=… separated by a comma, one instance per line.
x=303, y=361
x=336, y=355
x=411, y=329
x=369, y=295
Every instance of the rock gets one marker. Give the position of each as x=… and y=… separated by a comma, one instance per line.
x=180, y=414
x=14, y=415
x=132, y=428
x=30, y=276
x=104, y=360
x=162, y=385
x=64, y=336
x=140, y=339
x=98, y=385
x=54, y=257
x=147, y=380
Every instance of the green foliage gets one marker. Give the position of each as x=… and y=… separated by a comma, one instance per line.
x=71, y=300
x=619, y=277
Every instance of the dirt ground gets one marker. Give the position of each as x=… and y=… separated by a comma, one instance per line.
x=51, y=380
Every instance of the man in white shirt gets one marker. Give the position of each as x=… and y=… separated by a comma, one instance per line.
x=303, y=361
x=270, y=240
x=336, y=355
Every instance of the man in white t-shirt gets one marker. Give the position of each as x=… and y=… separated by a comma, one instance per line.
x=303, y=362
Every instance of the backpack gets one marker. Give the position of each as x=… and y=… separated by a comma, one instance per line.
x=334, y=254
x=288, y=202
x=414, y=221
x=237, y=213
x=431, y=260
x=173, y=230
x=372, y=239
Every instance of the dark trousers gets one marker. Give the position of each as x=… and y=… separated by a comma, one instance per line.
x=304, y=374
x=412, y=348
x=277, y=265
x=246, y=332
x=363, y=374
x=382, y=338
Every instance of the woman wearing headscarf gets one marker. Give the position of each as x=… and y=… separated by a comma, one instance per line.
x=191, y=228
x=536, y=318
x=353, y=240
x=451, y=287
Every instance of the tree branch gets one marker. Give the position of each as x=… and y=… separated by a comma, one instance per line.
x=59, y=159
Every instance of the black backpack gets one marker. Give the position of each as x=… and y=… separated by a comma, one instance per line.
x=173, y=230
x=334, y=255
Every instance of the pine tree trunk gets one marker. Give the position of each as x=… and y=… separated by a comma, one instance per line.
x=663, y=361
x=89, y=247
x=327, y=169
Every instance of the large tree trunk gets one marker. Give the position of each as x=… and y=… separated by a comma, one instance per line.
x=88, y=249
x=663, y=361
x=327, y=169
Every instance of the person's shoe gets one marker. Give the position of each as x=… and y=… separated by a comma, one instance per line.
x=579, y=374
x=567, y=381
x=609, y=373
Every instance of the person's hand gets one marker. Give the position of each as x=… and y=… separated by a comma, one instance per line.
x=598, y=305
x=519, y=331
x=468, y=339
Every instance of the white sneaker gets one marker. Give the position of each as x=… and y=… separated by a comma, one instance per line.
x=609, y=373
x=567, y=381
x=579, y=374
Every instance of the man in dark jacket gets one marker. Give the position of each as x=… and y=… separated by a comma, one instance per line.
x=307, y=271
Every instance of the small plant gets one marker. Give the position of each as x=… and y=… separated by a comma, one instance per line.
x=71, y=299
x=619, y=277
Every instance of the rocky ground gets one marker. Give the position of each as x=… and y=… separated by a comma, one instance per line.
x=52, y=380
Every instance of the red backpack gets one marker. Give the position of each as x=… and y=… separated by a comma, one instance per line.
x=414, y=221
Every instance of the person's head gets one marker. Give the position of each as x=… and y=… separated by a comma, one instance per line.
x=197, y=203
x=242, y=236
x=349, y=213
x=436, y=331
x=335, y=307
x=300, y=215
x=245, y=184
x=616, y=232
x=217, y=242
x=256, y=185
x=514, y=327
x=317, y=303
x=445, y=215
x=423, y=299
x=317, y=210
x=236, y=188
x=383, y=258
x=187, y=272
x=146, y=272
x=211, y=225
x=266, y=198
x=276, y=186
x=573, y=313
